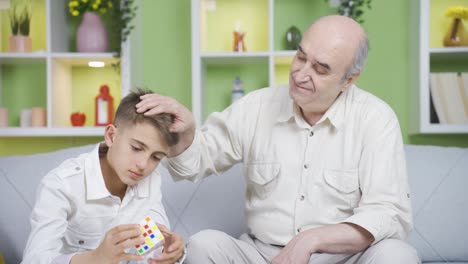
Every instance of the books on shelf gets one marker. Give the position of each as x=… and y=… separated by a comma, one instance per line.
x=449, y=91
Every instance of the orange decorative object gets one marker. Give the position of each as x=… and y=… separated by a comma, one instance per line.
x=239, y=44
x=78, y=119
x=104, y=107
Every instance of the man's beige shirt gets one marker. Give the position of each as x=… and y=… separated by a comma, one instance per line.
x=349, y=167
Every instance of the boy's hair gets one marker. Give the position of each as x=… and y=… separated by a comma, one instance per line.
x=126, y=114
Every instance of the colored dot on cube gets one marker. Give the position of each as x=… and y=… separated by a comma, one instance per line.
x=151, y=233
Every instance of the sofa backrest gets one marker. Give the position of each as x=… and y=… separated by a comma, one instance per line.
x=438, y=178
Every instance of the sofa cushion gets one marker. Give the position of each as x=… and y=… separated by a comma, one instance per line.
x=19, y=178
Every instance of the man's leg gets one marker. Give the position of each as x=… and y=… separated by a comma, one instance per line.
x=211, y=246
x=387, y=251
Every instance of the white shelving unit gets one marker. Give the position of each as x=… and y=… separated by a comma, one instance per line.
x=421, y=57
x=202, y=60
x=59, y=62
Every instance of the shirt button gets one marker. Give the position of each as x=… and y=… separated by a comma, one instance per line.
x=311, y=133
x=77, y=168
x=302, y=198
x=306, y=166
x=81, y=242
x=298, y=230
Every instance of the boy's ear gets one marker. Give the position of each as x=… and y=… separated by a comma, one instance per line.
x=109, y=134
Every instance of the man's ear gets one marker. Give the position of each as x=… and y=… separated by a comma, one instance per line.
x=109, y=134
x=352, y=79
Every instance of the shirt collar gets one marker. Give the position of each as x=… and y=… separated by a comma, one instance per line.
x=94, y=180
x=335, y=114
x=287, y=107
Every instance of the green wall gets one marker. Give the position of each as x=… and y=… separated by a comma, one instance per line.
x=167, y=66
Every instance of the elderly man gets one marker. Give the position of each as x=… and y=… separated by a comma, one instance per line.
x=324, y=162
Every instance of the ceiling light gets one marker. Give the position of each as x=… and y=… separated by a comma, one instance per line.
x=96, y=64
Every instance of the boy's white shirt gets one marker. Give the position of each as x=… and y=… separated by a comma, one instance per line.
x=74, y=210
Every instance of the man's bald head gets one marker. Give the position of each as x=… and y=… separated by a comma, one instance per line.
x=343, y=33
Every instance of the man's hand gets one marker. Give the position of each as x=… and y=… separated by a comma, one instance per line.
x=333, y=239
x=111, y=249
x=184, y=122
x=173, y=248
x=297, y=251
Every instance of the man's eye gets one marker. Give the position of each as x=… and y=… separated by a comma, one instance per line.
x=320, y=70
x=156, y=158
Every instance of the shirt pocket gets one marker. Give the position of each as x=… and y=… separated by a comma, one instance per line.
x=79, y=242
x=343, y=187
x=262, y=179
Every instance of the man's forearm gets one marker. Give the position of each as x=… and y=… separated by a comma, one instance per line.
x=339, y=238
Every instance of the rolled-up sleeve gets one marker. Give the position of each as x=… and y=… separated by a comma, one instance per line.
x=385, y=208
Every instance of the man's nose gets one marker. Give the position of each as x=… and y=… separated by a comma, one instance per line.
x=303, y=75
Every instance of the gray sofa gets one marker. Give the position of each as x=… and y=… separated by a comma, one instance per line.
x=438, y=179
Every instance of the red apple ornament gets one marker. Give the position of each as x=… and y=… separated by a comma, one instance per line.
x=77, y=119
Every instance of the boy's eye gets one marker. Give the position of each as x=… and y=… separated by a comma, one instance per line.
x=156, y=158
x=136, y=148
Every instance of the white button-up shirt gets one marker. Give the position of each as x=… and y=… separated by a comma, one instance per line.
x=349, y=167
x=74, y=210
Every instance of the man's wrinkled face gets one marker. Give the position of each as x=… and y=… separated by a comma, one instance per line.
x=318, y=68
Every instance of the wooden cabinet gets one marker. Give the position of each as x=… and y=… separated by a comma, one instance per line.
x=55, y=77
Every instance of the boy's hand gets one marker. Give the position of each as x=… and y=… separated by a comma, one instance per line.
x=184, y=122
x=173, y=248
x=111, y=249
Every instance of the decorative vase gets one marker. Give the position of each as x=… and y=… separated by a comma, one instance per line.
x=456, y=34
x=91, y=35
x=239, y=44
x=293, y=38
x=20, y=43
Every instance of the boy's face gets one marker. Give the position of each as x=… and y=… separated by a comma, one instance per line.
x=134, y=151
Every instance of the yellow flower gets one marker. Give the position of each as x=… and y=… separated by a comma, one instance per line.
x=73, y=4
x=84, y=1
x=75, y=13
x=102, y=10
x=457, y=12
x=95, y=6
x=109, y=4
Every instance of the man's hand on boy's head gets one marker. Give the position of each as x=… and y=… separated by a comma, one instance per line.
x=184, y=122
x=116, y=240
x=152, y=104
x=173, y=247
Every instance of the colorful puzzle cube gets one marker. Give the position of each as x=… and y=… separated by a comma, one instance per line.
x=153, y=236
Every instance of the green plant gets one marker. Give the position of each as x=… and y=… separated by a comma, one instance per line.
x=353, y=8
x=20, y=22
x=123, y=13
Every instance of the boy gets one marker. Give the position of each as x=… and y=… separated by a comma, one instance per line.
x=88, y=209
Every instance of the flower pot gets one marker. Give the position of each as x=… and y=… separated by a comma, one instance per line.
x=20, y=44
x=91, y=35
x=456, y=34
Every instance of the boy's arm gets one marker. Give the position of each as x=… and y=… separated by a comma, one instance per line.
x=48, y=222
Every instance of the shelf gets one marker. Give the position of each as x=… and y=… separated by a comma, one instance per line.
x=449, y=54
x=234, y=57
x=51, y=132
x=445, y=129
x=82, y=59
x=22, y=58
